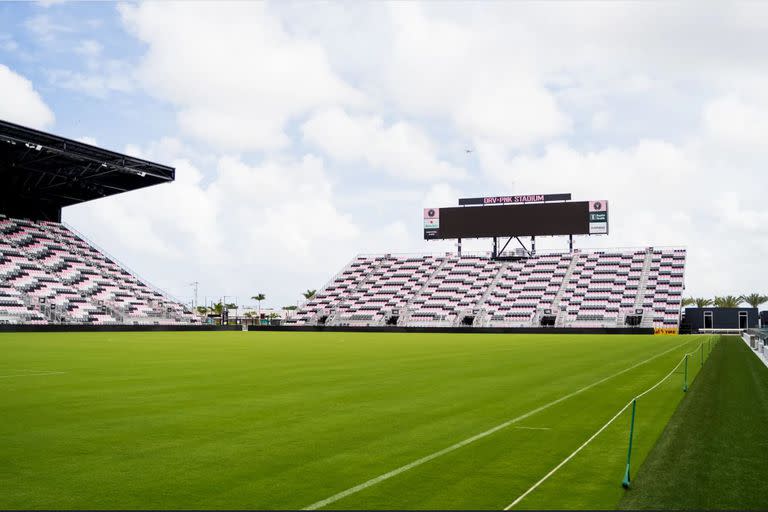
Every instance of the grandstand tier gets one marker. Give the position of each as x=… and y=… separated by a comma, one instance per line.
x=605, y=288
x=49, y=274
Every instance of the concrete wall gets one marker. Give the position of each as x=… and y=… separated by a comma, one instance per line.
x=116, y=328
x=464, y=330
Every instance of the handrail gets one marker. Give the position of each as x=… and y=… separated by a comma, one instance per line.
x=121, y=264
x=588, y=250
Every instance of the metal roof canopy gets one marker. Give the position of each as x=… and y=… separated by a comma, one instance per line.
x=41, y=173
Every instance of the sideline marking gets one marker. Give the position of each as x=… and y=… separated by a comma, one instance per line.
x=535, y=428
x=469, y=440
x=31, y=374
x=593, y=436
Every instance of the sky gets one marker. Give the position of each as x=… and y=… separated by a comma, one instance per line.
x=306, y=133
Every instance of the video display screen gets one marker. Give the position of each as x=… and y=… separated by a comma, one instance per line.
x=537, y=219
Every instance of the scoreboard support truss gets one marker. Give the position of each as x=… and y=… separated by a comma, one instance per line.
x=496, y=252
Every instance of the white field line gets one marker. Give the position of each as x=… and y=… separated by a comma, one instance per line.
x=534, y=428
x=418, y=462
x=600, y=430
x=31, y=374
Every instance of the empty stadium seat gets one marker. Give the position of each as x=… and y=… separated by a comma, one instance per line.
x=580, y=289
x=48, y=274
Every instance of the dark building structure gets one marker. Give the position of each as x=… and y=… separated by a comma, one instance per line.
x=764, y=318
x=695, y=319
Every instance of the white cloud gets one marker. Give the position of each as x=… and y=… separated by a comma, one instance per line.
x=85, y=139
x=20, y=102
x=489, y=88
x=732, y=122
x=441, y=195
x=8, y=43
x=102, y=78
x=89, y=48
x=511, y=110
x=613, y=101
x=401, y=149
x=660, y=194
x=244, y=226
x=48, y=3
x=45, y=28
x=234, y=74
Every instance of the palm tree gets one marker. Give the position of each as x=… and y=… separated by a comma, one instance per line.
x=702, y=302
x=216, y=308
x=309, y=294
x=201, y=310
x=728, y=301
x=755, y=299
x=688, y=301
x=258, y=298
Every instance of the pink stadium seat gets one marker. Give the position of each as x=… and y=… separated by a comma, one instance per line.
x=590, y=289
x=49, y=274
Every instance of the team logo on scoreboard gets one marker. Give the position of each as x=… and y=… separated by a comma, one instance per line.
x=431, y=218
x=598, y=206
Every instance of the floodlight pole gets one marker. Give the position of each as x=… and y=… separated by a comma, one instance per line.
x=195, y=284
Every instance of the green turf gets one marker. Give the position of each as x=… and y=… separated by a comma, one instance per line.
x=714, y=452
x=282, y=420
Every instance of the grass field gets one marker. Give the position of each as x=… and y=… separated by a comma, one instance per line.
x=286, y=420
x=713, y=455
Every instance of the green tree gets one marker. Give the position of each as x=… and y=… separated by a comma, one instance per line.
x=216, y=309
x=701, y=302
x=688, y=301
x=755, y=299
x=309, y=294
x=728, y=301
x=201, y=310
x=258, y=298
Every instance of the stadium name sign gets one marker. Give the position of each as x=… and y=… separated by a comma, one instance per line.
x=533, y=198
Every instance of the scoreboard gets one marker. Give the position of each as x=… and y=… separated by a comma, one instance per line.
x=527, y=219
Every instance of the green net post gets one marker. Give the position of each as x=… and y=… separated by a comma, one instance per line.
x=626, y=481
x=685, y=378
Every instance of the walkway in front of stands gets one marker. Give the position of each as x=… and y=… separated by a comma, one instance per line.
x=761, y=352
